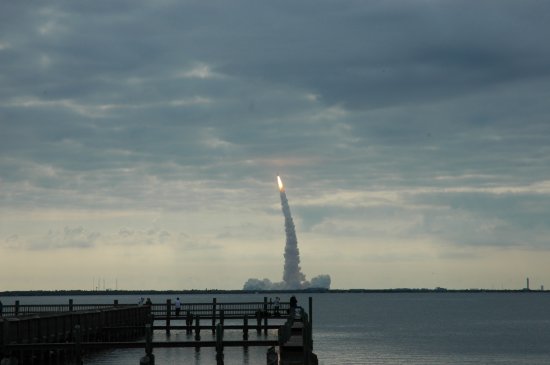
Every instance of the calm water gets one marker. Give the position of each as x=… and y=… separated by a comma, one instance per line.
x=398, y=328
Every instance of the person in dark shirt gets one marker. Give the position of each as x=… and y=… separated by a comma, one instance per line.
x=293, y=302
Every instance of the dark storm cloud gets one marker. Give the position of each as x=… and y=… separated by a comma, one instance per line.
x=103, y=102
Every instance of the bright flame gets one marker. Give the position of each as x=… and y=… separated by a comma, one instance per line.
x=279, y=181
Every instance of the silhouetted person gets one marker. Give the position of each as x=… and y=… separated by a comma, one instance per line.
x=293, y=302
x=148, y=302
x=1, y=308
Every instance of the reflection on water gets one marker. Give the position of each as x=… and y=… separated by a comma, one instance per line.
x=196, y=355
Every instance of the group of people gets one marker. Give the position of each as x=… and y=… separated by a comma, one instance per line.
x=276, y=303
x=142, y=301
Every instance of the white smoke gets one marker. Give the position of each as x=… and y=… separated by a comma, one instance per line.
x=318, y=282
x=292, y=275
x=293, y=278
x=321, y=281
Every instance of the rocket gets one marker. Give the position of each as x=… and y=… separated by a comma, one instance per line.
x=280, y=182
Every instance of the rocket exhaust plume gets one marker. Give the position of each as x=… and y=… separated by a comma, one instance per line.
x=292, y=276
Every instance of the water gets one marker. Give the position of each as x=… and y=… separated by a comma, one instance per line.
x=365, y=328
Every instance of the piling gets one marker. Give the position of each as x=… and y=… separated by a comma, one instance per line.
x=265, y=314
x=188, y=322
x=213, y=315
x=149, y=358
x=168, y=314
x=197, y=328
x=245, y=328
x=310, y=307
x=258, y=321
x=77, y=345
x=219, y=344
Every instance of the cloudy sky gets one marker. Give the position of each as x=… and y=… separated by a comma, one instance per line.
x=140, y=142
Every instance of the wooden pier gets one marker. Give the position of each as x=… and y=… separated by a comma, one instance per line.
x=59, y=334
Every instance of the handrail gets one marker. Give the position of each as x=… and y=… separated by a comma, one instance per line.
x=285, y=333
x=205, y=310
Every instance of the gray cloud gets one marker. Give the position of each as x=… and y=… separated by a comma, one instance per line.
x=195, y=106
x=69, y=237
x=487, y=219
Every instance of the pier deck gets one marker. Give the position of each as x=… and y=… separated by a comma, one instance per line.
x=59, y=334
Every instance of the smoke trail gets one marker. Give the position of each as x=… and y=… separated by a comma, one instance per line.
x=292, y=275
x=293, y=278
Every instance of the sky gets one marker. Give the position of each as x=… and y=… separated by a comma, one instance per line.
x=140, y=142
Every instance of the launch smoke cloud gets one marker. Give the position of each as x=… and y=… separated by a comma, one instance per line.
x=293, y=278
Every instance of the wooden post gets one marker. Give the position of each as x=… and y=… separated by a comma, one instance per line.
x=245, y=327
x=265, y=315
x=16, y=308
x=219, y=344
x=77, y=345
x=305, y=338
x=222, y=317
x=115, y=303
x=5, y=335
x=188, y=323
x=214, y=315
x=168, y=314
x=259, y=321
x=149, y=358
x=70, y=305
x=197, y=328
x=311, y=311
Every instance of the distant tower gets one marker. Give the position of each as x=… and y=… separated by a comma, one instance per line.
x=527, y=287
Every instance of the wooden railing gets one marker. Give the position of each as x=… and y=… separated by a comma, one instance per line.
x=304, y=328
x=214, y=309
x=27, y=330
x=159, y=310
x=29, y=335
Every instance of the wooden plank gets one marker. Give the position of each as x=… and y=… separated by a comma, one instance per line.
x=294, y=341
x=139, y=344
x=227, y=327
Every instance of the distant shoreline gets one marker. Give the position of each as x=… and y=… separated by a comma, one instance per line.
x=219, y=291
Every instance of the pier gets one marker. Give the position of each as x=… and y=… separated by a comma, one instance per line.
x=60, y=334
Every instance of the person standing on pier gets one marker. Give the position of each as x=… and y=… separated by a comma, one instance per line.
x=293, y=302
x=178, y=306
x=293, y=310
x=276, y=307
